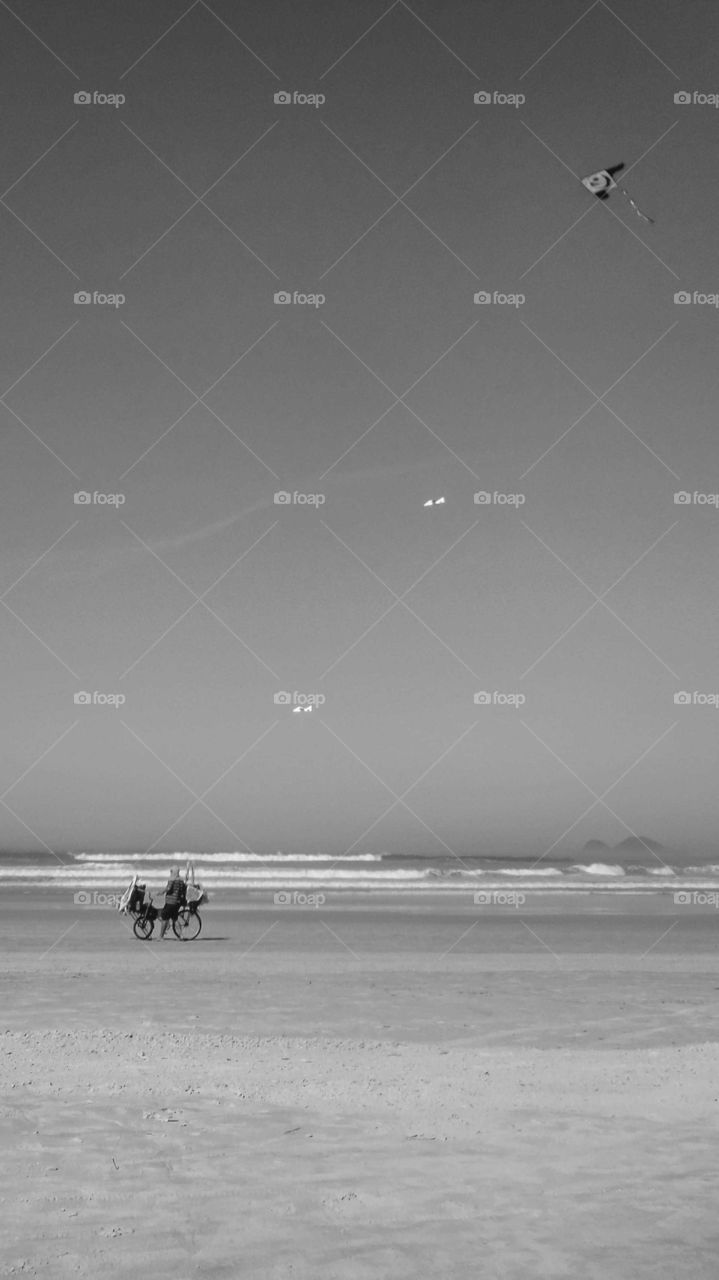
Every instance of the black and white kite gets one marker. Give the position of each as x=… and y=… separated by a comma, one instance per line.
x=602, y=182
x=434, y=502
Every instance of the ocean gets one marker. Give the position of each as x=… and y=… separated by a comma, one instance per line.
x=395, y=874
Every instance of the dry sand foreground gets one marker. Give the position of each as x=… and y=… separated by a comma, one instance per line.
x=437, y=1118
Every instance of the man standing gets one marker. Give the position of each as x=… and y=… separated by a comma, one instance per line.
x=174, y=899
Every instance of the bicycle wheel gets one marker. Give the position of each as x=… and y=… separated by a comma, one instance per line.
x=142, y=928
x=187, y=926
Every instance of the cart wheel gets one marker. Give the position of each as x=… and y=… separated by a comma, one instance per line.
x=187, y=925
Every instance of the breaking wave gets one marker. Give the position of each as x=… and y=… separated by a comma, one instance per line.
x=238, y=873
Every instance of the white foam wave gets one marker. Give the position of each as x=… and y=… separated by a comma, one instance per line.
x=528, y=873
x=177, y=858
x=333, y=881
x=274, y=875
x=254, y=885
x=598, y=869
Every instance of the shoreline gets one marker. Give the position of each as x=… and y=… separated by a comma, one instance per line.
x=504, y=902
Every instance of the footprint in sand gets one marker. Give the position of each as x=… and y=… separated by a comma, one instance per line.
x=167, y=1115
x=342, y=1201
x=361, y=1205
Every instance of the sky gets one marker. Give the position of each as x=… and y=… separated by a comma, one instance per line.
x=183, y=597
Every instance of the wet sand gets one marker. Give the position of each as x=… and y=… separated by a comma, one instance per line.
x=348, y=1094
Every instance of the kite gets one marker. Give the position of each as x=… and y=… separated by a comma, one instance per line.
x=434, y=502
x=602, y=182
x=296, y=710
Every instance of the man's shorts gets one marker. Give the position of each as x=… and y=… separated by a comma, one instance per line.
x=170, y=913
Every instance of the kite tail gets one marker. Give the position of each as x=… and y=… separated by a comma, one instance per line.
x=635, y=206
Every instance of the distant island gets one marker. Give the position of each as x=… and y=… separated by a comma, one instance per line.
x=633, y=844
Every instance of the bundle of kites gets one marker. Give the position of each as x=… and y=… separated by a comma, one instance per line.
x=602, y=182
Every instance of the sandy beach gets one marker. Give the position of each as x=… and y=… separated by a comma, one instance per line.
x=347, y=1098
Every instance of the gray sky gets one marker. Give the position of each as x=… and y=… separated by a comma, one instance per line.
x=198, y=398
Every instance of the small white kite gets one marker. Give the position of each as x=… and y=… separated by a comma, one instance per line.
x=434, y=502
x=296, y=709
x=602, y=182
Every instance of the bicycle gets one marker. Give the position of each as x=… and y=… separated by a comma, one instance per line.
x=186, y=926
